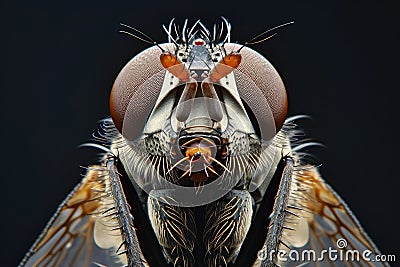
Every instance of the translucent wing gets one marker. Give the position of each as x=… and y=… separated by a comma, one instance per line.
x=85, y=231
x=319, y=229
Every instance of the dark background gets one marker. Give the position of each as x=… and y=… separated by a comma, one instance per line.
x=339, y=63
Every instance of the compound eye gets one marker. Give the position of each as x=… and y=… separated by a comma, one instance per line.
x=136, y=89
x=259, y=85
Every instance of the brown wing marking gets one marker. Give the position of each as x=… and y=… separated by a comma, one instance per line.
x=318, y=218
x=84, y=231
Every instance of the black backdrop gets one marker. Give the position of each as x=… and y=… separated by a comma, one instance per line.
x=339, y=62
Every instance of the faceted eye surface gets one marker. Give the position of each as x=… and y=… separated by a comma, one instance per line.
x=254, y=68
x=138, y=86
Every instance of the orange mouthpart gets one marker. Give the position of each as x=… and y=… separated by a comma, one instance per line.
x=196, y=152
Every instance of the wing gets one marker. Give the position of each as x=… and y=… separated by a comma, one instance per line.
x=319, y=229
x=86, y=229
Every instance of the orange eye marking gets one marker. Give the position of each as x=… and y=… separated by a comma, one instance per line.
x=232, y=60
x=168, y=60
x=226, y=66
x=175, y=66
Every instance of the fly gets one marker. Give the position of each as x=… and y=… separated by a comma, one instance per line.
x=200, y=168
